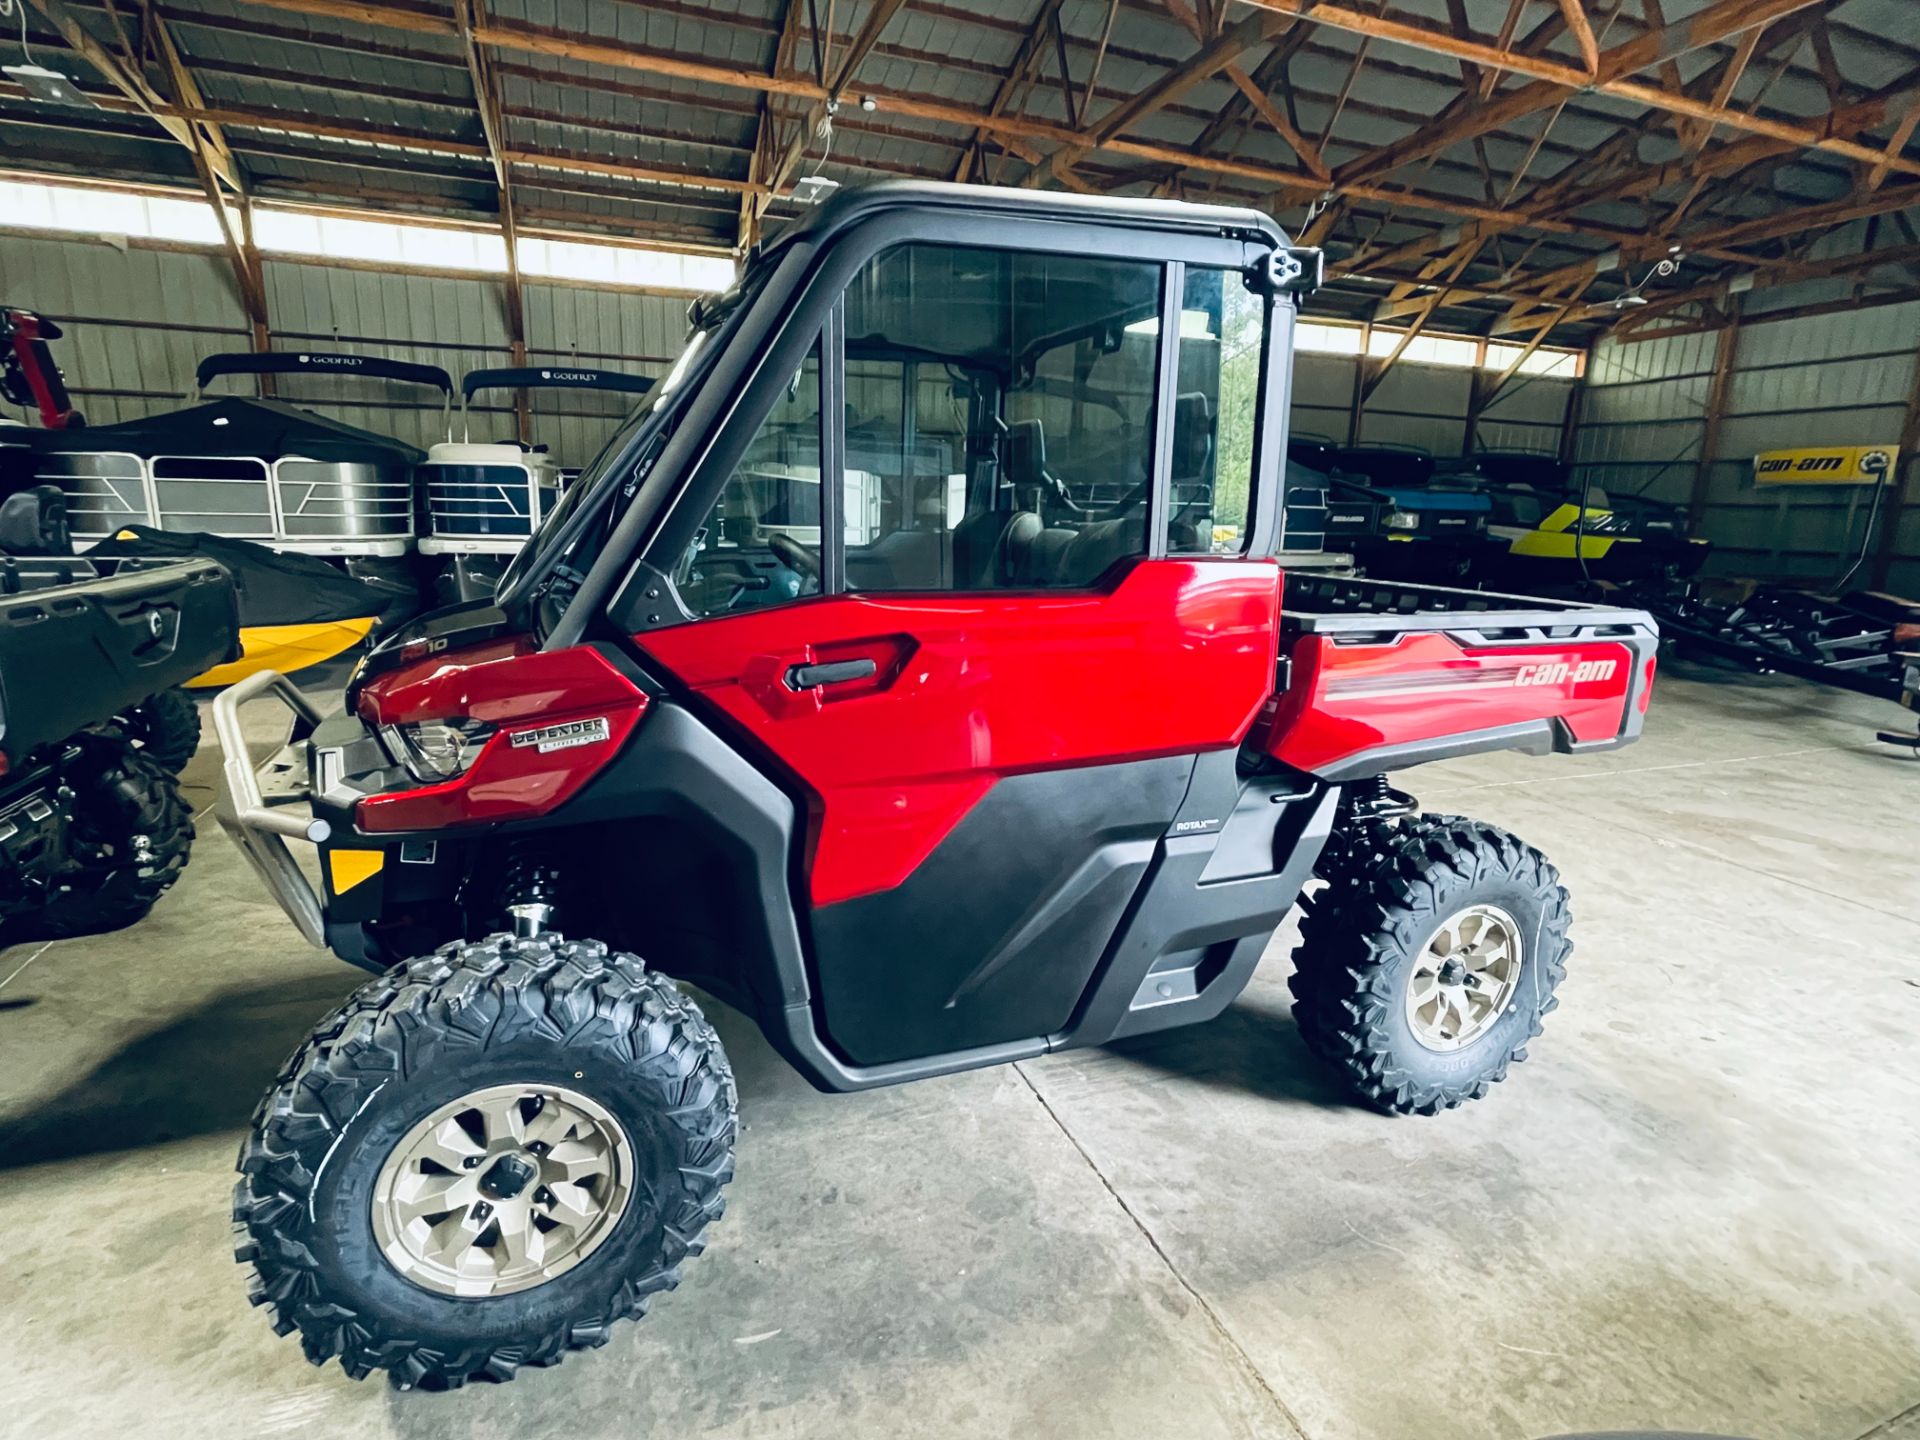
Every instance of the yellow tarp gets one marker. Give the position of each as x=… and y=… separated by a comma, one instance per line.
x=286, y=648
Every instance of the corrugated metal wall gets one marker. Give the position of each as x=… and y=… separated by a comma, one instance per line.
x=142, y=319
x=1838, y=379
x=1425, y=406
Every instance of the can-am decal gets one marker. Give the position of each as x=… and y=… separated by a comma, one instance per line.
x=1483, y=678
x=565, y=736
x=1560, y=672
x=1827, y=465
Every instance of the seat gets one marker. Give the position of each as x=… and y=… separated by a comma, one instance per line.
x=1026, y=452
x=1095, y=549
x=1192, y=437
x=976, y=541
x=34, y=522
x=1037, y=553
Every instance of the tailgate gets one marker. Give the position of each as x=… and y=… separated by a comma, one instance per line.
x=1387, y=676
x=76, y=654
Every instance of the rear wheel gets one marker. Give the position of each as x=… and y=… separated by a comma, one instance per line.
x=166, y=726
x=1428, y=962
x=127, y=839
x=484, y=1159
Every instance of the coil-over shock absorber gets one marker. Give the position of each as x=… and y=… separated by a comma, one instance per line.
x=531, y=885
x=1367, y=809
x=1374, y=799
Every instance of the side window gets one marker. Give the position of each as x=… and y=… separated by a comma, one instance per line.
x=1222, y=332
x=760, y=544
x=999, y=418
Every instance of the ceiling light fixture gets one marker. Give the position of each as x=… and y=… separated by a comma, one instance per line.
x=1668, y=264
x=812, y=189
x=40, y=83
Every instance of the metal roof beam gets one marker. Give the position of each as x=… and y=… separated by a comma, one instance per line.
x=1554, y=81
x=878, y=18
x=1019, y=75
x=124, y=75
x=1208, y=61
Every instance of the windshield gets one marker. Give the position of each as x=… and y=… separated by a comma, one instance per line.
x=570, y=536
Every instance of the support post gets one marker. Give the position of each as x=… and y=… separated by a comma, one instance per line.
x=1477, y=396
x=1570, y=420
x=486, y=99
x=1902, y=485
x=1356, y=408
x=1724, y=354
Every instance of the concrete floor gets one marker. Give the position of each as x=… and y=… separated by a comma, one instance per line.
x=1694, y=1209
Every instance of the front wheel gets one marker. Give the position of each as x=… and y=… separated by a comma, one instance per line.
x=1428, y=962
x=484, y=1159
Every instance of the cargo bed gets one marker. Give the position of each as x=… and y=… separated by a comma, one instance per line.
x=73, y=654
x=1379, y=675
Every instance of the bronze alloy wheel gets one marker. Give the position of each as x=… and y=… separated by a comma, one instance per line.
x=502, y=1190
x=1464, y=978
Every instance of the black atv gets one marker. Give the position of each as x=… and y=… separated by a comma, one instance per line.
x=92, y=827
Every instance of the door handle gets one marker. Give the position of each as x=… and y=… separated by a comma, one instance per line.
x=833, y=672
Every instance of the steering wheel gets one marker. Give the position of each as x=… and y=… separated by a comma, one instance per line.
x=795, y=556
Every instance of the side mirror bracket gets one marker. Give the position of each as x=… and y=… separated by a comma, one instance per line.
x=1294, y=270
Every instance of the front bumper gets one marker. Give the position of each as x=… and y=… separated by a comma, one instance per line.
x=262, y=807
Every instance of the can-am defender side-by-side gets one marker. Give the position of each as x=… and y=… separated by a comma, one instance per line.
x=1014, y=738
x=93, y=829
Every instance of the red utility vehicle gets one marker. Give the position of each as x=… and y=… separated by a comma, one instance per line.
x=1013, y=737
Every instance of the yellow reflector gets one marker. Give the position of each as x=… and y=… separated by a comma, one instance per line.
x=349, y=867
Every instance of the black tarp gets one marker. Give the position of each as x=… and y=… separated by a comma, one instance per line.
x=234, y=426
x=274, y=589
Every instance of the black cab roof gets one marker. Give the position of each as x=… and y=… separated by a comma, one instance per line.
x=858, y=202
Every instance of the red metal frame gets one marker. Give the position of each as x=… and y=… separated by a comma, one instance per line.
x=29, y=343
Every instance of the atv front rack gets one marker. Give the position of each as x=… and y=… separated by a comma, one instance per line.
x=256, y=805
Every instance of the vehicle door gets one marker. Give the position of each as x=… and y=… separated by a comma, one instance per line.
x=1036, y=584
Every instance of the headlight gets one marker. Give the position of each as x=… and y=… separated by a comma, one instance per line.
x=1402, y=520
x=434, y=750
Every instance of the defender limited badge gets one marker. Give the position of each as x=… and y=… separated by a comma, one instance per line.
x=562, y=737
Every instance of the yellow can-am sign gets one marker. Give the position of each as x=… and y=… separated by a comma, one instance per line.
x=1829, y=465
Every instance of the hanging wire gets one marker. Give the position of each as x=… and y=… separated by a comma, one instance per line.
x=1667, y=265
x=7, y=7
x=1881, y=482
x=826, y=133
